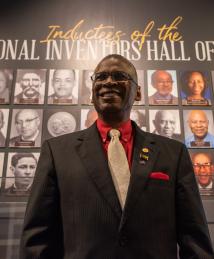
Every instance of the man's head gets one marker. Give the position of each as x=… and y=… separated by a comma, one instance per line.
x=162, y=81
x=115, y=88
x=198, y=123
x=27, y=123
x=1, y=119
x=91, y=118
x=165, y=123
x=203, y=168
x=23, y=166
x=63, y=82
x=30, y=84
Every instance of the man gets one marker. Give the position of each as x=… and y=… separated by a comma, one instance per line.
x=165, y=124
x=162, y=81
x=63, y=83
x=23, y=167
x=27, y=123
x=2, y=137
x=77, y=209
x=198, y=124
x=204, y=171
x=31, y=84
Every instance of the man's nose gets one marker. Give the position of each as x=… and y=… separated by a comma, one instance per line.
x=28, y=171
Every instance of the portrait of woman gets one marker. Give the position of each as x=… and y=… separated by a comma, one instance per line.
x=194, y=89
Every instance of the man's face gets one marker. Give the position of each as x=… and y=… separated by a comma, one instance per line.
x=27, y=123
x=165, y=124
x=111, y=96
x=196, y=83
x=63, y=83
x=203, y=169
x=3, y=82
x=24, y=171
x=30, y=84
x=163, y=83
x=198, y=123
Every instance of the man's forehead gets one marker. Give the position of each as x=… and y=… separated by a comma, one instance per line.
x=31, y=75
x=64, y=73
x=26, y=160
x=26, y=114
x=113, y=63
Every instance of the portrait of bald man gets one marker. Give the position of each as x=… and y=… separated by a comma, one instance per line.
x=30, y=86
x=26, y=128
x=63, y=86
x=165, y=123
x=162, y=88
x=198, y=128
x=203, y=164
x=112, y=190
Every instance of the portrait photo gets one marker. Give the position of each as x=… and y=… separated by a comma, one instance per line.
x=162, y=87
x=165, y=123
x=138, y=116
x=59, y=122
x=195, y=88
x=63, y=86
x=30, y=86
x=26, y=128
x=20, y=173
x=203, y=164
x=4, y=114
x=198, y=128
x=88, y=117
x=6, y=79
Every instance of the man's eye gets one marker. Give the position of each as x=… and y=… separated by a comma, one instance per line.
x=118, y=76
x=101, y=77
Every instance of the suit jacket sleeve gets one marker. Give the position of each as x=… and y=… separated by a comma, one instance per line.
x=42, y=231
x=192, y=231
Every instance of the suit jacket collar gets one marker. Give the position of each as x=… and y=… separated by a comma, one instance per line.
x=95, y=161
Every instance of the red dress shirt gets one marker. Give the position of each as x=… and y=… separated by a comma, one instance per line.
x=126, y=137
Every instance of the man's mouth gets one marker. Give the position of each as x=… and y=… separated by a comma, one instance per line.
x=109, y=93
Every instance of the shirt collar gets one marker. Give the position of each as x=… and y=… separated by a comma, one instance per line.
x=125, y=130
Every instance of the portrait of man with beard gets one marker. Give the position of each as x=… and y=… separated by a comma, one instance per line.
x=30, y=86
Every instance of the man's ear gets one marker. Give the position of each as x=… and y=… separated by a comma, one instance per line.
x=138, y=94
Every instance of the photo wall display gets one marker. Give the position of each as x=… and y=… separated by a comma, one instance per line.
x=38, y=104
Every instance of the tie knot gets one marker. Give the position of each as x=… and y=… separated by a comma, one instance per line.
x=114, y=133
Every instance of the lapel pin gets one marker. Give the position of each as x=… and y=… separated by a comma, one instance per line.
x=144, y=155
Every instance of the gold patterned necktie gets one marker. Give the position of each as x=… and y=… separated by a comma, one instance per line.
x=118, y=165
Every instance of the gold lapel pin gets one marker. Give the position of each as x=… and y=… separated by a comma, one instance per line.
x=144, y=155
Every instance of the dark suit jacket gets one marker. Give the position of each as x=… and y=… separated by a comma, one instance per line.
x=74, y=212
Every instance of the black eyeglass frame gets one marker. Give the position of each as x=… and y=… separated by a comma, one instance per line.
x=126, y=76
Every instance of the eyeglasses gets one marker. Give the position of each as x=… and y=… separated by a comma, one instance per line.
x=199, y=166
x=116, y=76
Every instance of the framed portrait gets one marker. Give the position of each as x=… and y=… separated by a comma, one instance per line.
x=195, y=88
x=30, y=86
x=198, y=128
x=162, y=87
x=63, y=86
x=26, y=128
x=165, y=123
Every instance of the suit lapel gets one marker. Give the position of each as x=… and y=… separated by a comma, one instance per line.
x=140, y=170
x=95, y=162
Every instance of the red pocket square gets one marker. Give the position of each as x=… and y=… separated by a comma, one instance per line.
x=159, y=175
